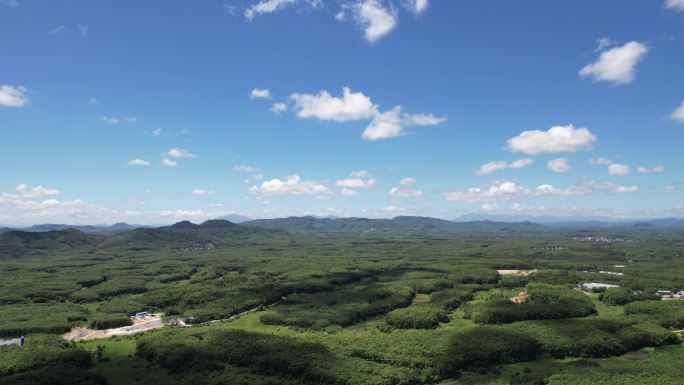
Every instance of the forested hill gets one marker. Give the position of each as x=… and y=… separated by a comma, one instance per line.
x=182, y=235
x=402, y=225
x=14, y=244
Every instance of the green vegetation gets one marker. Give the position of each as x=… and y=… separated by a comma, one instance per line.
x=417, y=301
x=542, y=302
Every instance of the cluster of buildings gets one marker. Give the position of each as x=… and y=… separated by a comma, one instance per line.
x=602, y=239
x=667, y=294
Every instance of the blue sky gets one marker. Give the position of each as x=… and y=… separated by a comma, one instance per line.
x=158, y=111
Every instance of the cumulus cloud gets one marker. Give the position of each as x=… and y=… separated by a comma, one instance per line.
x=652, y=170
x=35, y=192
x=373, y=18
x=169, y=162
x=202, y=192
x=267, y=6
x=180, y=153
x=290, y=185
x=509, y=190
x=391, y=123
x=417, y=6
x=407, y=181
x=559, y=165
x=617, y=65
x=323, y=106
x=499, y=190
x=491, y=167
x=278, y=108
x=556, y=139
x=349, y=192
x=499, y=165
x=246, y=169
x=139, y=162
x=583, y=189
x=677, y=115
x=357, y=179
x=677, y=5
x=619, y=169
x=354, y=106
x=398, y=192
x=13, y=96
x=258, y=93
x=600, y=161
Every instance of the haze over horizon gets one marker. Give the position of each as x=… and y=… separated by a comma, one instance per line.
x=158, y=112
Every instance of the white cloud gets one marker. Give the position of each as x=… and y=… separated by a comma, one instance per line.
x=353, y=106
x=270, y=6
x=654, y=170
x=356, y=183
x=180, y=153
x=278, y=108
x=139, y=162
x=290, y=185
x=677, y=5
x=394, y=209
x=12, y=3
x=521, y=163
x=267, y=6
x=559, y=165
x=83, y=29
x=499, y=190
x=93, y=101
x=360, y=174
x=258, y=93
x=603, y=43
x=617, y=65
x=491, y=167
x=375, y=20
x=357, y=179
x=157, y=131
x=349, y=192
x=57, y=29
x=112, y=120
x=391, y=123
x=202, y=192
x=618, y=169
x=556, y=139
x=13, y=96
x=323, y=106
x=417, y=6
x=677, y=115
x=404, y=192
x=499, y=165
x=35, y=192
x=407, y=181
x=600, y=161
x=583, y=189
x=169, y=162
x=246, y=169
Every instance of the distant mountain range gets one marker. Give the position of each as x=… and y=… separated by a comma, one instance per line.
x=402, y=225
x=574, y=221
x=235, y=218
x=117, y=227
x=186, y=236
